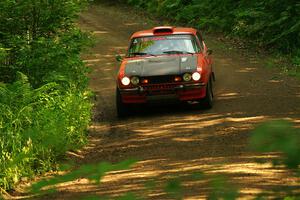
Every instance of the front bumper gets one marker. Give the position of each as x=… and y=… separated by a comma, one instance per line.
x=163, y=92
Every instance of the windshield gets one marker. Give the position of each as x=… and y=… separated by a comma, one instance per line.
x=158, y=45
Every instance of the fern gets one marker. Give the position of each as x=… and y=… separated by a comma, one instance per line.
x=38, y=126
x=42, y=82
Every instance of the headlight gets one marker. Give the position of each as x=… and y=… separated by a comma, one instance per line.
x=135, y=80
x=187, y=77
x=196, y=76
x=125, y=81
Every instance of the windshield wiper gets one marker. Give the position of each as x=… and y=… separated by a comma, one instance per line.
x=178, y=52
x=142, y=54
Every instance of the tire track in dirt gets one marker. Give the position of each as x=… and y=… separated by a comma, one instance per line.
x=179, y=140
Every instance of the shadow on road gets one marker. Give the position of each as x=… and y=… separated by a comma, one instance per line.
x=178, y=140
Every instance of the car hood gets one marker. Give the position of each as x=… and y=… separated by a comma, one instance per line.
x=161, y=65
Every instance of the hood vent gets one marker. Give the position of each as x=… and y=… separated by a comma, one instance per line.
x=163, y=30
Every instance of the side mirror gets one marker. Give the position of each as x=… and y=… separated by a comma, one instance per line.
x=209, y=51
x=119, y=58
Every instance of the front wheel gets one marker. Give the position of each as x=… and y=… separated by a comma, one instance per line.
x=122, y=109
x=207, y=101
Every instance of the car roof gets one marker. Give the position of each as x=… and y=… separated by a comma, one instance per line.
x=164, y=30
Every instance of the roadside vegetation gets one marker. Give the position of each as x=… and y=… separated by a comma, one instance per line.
x=45, y=105
x=270, y=25
x=276, y=137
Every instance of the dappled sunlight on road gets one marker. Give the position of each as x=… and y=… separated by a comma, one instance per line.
x=275, y=81
x=131, y=24
x=135, y=179
x=247, y=70
x=100, y=32
x=181, y=132
x=178, y=140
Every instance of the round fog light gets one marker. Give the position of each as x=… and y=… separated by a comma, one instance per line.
x=125, y=81
x=135, y=80
x=196, y=76
x=187, y=77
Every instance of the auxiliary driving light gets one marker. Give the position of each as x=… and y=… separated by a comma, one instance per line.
x=187, y=77
x=178, y=79
x=125, y=81
x=145, y=81
x=196, y=76
x=135, y=80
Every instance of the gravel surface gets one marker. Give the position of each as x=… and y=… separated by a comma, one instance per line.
x=178, y=140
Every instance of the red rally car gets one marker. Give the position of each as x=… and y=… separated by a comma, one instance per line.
x=165, y=63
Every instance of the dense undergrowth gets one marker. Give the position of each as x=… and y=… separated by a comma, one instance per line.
x=269, y=24
x=45, y=105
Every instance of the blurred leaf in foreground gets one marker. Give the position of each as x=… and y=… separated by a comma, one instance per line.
x=128, y=196
x=93, y=172
x=222, y=189
x=278, y=136
x=174, y=188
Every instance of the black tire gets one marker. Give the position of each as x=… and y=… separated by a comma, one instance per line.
x=207, y=101
x=122, y=108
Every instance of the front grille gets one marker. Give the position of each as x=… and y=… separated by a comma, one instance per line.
x=160, y=79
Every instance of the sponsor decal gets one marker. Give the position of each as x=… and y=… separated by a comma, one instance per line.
x=175, y=37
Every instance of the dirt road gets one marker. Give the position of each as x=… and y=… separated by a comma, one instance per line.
x=177, y=140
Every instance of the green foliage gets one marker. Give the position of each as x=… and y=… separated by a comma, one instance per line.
x=278, y=136
x=45, y=106
x=222, y=189
x=273, y=24
x=55, y=59
x=282, y=138
x=38, y=126
x=296, y=63
x=38, y=38
x=174, y=188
